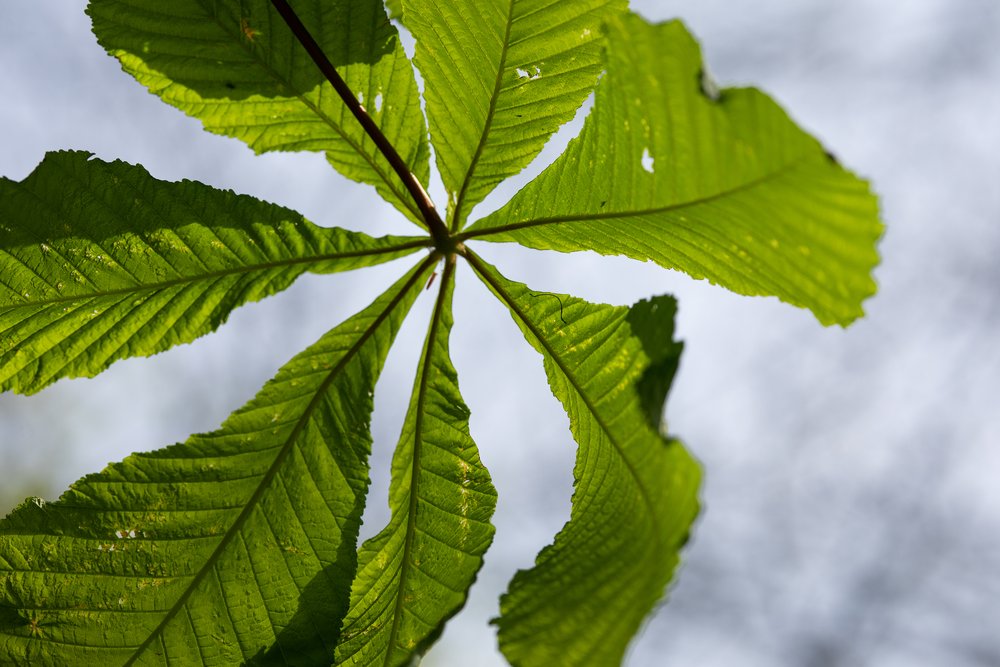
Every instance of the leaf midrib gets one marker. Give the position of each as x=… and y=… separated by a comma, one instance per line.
x=263, y=266
x=404, y=199
x=490, y=115
x=280, y=457
x=480, y=268
x=416, y=466
x=760, y=181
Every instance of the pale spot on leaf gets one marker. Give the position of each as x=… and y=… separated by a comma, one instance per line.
x=647, y=161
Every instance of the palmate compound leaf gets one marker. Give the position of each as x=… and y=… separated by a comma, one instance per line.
x=100, y=261
x=236, y=66
x=635, y=491
x=500, y=77
x=722, y=187
x=415, y=574
x=236, y=547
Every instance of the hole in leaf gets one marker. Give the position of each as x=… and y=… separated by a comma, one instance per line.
x=378, y=103
x=647, y=161
x=531, y=74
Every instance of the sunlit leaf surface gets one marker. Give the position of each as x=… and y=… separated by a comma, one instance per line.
x=235, y=546
x=235, y=66
x=100, y=261
x=501, y=76
x=635, y=492
x=722, y=187
x=415, y=573
x=240, y=547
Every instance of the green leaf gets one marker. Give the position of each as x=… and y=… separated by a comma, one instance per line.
x=235, y=546
x=415, y=574
x=237, y=67
x=100, y=261
x=239, y=547
x=395, y=9
x=500, y=78
x=727, y=189
x=635, y=490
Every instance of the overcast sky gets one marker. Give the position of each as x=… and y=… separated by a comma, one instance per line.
x=833, y=457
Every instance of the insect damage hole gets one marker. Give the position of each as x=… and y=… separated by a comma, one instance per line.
x=647, y=161
x=530, y=75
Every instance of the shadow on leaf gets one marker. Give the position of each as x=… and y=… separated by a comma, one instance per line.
x=310, y=637
x=652, y=322
x=234, y=50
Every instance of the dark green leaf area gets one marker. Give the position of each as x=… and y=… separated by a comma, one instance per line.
x=100, y=261
x=501, y=77
x=235, y=65
x=723, y=186
x=238, y=545
x=635, y=493
x=415, y=574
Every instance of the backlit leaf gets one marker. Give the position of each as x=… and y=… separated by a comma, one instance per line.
x=239, y=547
x=635, y=493
x=500, y=77
x=234, y=65
x=236, y=547
x=415, y=574
x=727, y=189
x=100, y=261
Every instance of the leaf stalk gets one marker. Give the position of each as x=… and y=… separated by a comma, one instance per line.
x=423, y=201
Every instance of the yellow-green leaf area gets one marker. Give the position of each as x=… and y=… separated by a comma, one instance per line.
x=719, y=184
